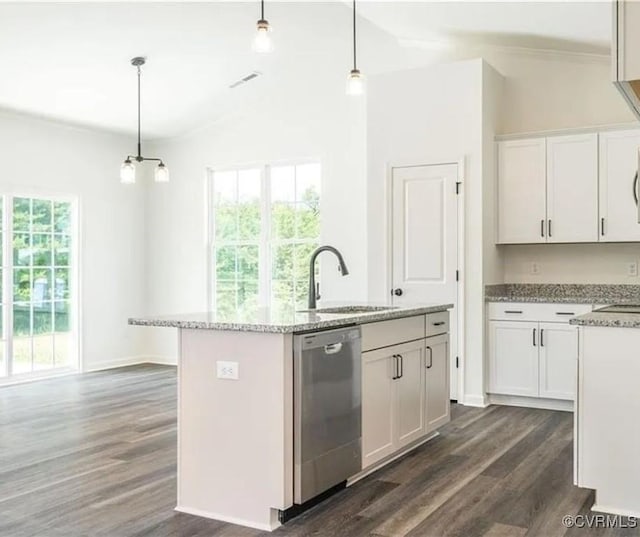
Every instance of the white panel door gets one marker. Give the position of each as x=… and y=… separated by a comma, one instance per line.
x=410, y=386
x=424, y=222
x=618, y=169
x=378, y=405
x=437, y=381
x=521, y=191
x=513, y=358
x=558, y=360
x=572, y=188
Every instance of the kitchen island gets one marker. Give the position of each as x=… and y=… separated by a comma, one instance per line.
x=606, y=435
x=236, y=399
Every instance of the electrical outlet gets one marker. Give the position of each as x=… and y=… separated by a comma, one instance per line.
x=632, y=269
x=228, y=370
x=535, y=268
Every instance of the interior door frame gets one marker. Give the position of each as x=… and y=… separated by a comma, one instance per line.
x=388, y=219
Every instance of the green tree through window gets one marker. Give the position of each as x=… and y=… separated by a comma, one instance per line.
x=266, y=223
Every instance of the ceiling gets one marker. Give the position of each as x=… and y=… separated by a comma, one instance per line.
x=570, y=26
x=70, y=61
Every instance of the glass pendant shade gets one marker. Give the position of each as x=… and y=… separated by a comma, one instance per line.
x=262, y=42
x=355, y=83
x=161, y=174
x=127, y=173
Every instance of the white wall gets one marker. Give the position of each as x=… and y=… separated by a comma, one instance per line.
x=549, y=92
x=41, y=157
x=433, y=115
x=306, y=116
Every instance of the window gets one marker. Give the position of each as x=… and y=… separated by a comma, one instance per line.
x=265, y=224
x=37, y=292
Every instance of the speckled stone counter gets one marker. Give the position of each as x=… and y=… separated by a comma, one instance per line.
x=283, y=321
x=623, y=317
x=563, y=293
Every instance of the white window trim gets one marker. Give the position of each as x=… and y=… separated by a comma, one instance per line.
x=7, y=284
x=264, y=244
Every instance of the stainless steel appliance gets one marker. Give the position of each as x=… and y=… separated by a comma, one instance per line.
x=327, y=410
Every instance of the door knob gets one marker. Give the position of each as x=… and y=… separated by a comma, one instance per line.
x=397, y=292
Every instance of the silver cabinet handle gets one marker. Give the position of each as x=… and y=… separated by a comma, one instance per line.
x=602, y=226
x=440, y=323
x=565, y=313
x=549, y=225
x=542, y=228
x=542, y=337
x=534, y=337
x=513, y=311
x=401, y=360
x=430, y=358
x=635, y=188
x=395, y=367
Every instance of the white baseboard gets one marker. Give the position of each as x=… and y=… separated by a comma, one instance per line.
x=230, y=520
x=531, y=402
x=161, y=360
x=129, y=360
x=474, y=400
x=598, y=508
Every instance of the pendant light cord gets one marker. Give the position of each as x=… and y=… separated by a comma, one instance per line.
x=354, y=35
x=261, y=9
x=139, y=145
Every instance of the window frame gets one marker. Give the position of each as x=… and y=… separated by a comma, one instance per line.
x=266, y=241
x=7, y=376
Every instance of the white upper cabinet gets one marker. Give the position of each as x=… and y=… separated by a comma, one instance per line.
x=572, y=188
x=521, y=191
x=569, y=189
x=618, y=169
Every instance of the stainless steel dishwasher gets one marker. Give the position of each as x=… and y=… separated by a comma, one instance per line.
x=327, y=423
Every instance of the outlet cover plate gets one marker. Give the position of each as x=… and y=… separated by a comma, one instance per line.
x=228, y=370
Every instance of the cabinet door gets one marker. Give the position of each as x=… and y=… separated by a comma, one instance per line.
x=410, y=393
x=513, y=358
x=618, y=168
x=572, y=188
x=378, y=405
x=558, y=360
x=437, y=401
x=521, y=191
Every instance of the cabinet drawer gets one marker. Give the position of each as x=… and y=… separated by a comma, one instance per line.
x=524, y=311
x=387, y=333
x=437, y=323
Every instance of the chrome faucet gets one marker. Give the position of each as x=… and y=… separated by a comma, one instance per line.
x=314, y=292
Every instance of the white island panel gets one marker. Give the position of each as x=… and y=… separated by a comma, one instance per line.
x=608, y=435
x=235, y=437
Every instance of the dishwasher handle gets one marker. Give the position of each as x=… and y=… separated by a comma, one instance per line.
x=333, y=348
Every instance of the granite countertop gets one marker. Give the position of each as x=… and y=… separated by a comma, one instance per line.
x=286, y=320
x=622, y=317
x=564, y=293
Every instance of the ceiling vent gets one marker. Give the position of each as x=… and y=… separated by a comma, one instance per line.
x=245, y=79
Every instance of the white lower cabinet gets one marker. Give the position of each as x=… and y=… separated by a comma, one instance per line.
x=378, y=405
x=405, y=395
x=410, y=393
x=533, y=359
x=438, y=411
x=558, y=361
x=513, y=358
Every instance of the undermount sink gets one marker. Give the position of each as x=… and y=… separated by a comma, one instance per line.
x=350, y=309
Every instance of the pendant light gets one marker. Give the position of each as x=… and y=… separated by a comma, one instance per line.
x=128, y=169
x=262, y=42
x=355, y=80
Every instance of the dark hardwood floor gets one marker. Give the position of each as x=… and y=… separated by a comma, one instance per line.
x=94, y=455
